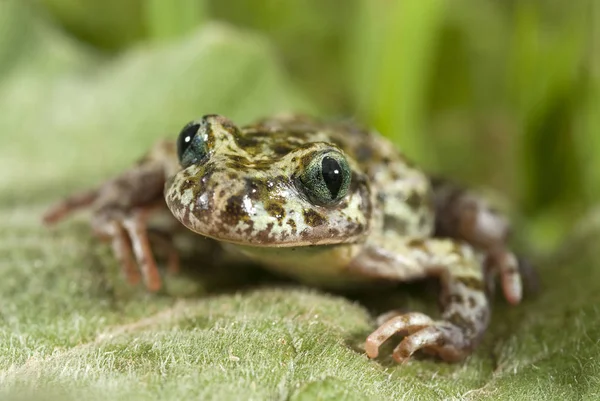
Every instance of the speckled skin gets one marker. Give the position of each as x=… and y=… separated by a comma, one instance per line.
x=393, y=223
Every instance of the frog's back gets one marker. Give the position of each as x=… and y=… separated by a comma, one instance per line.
x=401, y=192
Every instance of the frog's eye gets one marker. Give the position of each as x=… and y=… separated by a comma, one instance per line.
x=326, y=178
x=191, y=144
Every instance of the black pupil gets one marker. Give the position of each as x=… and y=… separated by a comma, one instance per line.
x=185, y=138
x=332, y=175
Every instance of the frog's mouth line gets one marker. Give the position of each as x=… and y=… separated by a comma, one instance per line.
x=311, y=240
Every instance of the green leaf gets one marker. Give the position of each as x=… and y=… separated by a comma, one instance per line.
x=70, y=326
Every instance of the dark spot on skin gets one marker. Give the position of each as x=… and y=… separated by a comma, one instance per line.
x=250, y=228
x=292, y=224
x=282, y=149
x=232, y=176
x=247, y=141
x=417, y=243
x=414, y=200
x=333, y=232
x=305, y=233
x=472, y=302
x=186, y=184
x=312, y=218
x=462, y=322
x=263, y=235
x=276, y=210
x=234, y=211
x=393, y=223
x=353, y=228
x=262, y=165
x=222, y=193
x=239, y=163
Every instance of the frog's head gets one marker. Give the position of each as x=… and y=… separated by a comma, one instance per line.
x=266, y=188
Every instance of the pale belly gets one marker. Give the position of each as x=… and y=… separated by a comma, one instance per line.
x=323, y=266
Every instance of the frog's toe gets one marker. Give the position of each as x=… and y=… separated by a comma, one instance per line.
x=439, y=338
x=122, y=249
x=129, y=236
x=404, y=324
x=503, y=262
x=442, y=339
x=135, y=226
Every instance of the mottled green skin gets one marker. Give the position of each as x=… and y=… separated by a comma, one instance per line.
x=248, y=192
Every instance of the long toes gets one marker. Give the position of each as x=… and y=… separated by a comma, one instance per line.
x=429, y=338
x=440, y=339
x=404, y=324
x=138, y=236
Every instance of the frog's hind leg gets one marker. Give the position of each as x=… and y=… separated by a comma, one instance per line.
x=463, y=215
x=465, y=308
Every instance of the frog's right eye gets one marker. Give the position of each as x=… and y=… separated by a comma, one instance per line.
x=191, y=144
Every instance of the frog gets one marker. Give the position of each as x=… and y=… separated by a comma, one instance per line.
x=330, y=203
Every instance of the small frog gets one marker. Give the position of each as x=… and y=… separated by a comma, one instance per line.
x=331, y=204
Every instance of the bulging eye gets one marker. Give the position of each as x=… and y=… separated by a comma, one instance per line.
x=191, y=143
x=326, y=178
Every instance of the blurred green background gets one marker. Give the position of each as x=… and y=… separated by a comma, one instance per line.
x=497, y=93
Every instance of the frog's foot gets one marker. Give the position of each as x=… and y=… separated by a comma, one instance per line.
x=127, y=233
x=443, y=339
x=130, y=240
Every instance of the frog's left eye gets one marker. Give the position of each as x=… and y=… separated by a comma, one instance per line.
x=191, y=144
x=326, y=179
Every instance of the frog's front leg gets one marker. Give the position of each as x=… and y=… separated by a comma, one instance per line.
x=121, y=208
x=465, y=308
x=464, y=215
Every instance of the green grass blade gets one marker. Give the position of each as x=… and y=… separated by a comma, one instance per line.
x=395, y=42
